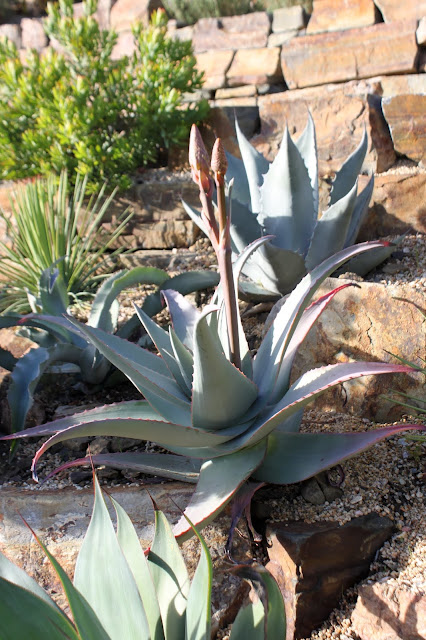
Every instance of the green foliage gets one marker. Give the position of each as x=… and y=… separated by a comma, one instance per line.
x=80, y=109
x=52, y=227
x=160, y=603
x=223, y=415
x=189, y=12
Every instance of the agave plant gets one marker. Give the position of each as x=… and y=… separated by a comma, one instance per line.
x=281, y=199
x=61, y=343
x=160, y=603
x=223, y=415
x=53, y=227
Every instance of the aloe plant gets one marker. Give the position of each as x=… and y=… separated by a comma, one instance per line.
x=160, y=603
x=59, y=341
x=223, y=415
x=281, y=199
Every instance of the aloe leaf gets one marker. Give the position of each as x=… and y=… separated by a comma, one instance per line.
x=268, y=359
x=7, y=360
x=165, y=465
x=85, y=619
x=308, y=319
x=256, y=167
x=225, y=475
x=221, y=393
x=53, y=292
x=25, y=615
x=287, y=201
x=146, y=371
x=331, y=230
x=10, y=572
x=198, y=608
x=268, y=619
x=100, y=315
x=174, y=437
x=26, y=375
x=349, y=171
x=293, y=457
x=163, y=342
x=184, y=316
x=102, y=572
x=170, y=578
x=359, y=212
x=366, y=263
x=131, y=547
x=58, y=327
x=307, y=146
x=183, y=357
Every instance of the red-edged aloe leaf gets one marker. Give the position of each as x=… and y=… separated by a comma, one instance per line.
x=184, y=316
x=60, y=327
x=103, y=577
x=163, y=342
x=27, y=373
x=100, y=315
x=309, y=317
x=269, y=624
x=256, y=167
x=271, y=352
x=157, y=464
x=85, y=619
x=172, y=436
x=184, y=358
x=349, y=171
x=146, y=371
x=25, y=615
x=221, y=393
x=307, y=146
x=331, y=229
x=131, y=547
x=139, y=409
x=287, y=202
x=198, y=608
x=170, y=578
x=293, y=457
x=219, y=480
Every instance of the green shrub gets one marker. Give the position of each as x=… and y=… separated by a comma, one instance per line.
x=82, y=110
x=189, y=12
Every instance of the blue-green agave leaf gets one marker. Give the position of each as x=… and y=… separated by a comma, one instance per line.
x=25, y=615
x=236, y=173
x=293, y=457
x=10, y=572
x=7, y=360
x=349, y=171
x=170, y=578
x=53, y=292
x=131, y=547
x=221, y=393
x=331, y=230
x=359, y=212
x=245, y=227
x=287, y=200
x=256, y=167
x=307, y=145
x=184, y=316
x=198, y=608
x=195, y=216
x=219, y=479
x=367, y=262
x=183, y=357
x=102, y=573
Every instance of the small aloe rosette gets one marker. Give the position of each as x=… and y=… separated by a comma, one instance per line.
x=224, y=415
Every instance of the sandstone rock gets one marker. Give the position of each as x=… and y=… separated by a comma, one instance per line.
x=12, y=32
x=341, y=112
x=288, y=19
x=406, y=116
x=125, y=12
x=397, y=205
x=215, y=66
x=255, y=66
x=394, y=85
x=232, y=103
x=280, y=38
x=315, y=563
x=16, y=344
x=244, y=91
x=221, y=124
x=386, y=612
x=363, y=323
x=335, y=15
x=356, y=53
x=184, y=33
x=125, y=45
x=393, y=10
x=33, y=35
x=236, y=32
x=421, y=32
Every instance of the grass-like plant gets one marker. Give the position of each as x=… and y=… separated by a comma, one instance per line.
x=52, y=226
x=118, y=593
x=224, y=415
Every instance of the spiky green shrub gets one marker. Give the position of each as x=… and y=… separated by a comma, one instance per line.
x=223, y=415
x=118, y=593
x=83, y=110
x=281, y=200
